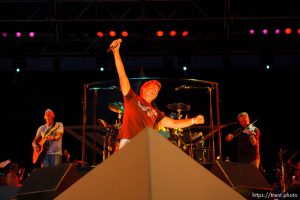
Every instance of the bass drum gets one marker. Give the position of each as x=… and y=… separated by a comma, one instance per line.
x=165, y=132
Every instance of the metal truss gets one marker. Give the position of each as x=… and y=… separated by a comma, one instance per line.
x=68, y=27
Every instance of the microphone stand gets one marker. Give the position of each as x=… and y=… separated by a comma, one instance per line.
x=211, y=123
x=282, y=180
x=83, y=141
x=94, y=124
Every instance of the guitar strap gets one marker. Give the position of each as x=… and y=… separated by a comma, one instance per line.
x=50, y=127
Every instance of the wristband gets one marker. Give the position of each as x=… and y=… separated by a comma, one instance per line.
x=193, y=120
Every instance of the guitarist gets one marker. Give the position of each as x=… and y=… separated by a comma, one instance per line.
x=47, y=144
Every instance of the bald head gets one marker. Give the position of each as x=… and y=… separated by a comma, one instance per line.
x=49, y=116
x=49, y=113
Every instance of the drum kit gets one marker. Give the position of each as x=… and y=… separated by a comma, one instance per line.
x=185, y=139
x=111, y=131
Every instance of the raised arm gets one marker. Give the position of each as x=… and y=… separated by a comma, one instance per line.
x=124, y=81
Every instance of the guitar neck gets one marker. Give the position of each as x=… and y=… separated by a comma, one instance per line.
x=51, y=130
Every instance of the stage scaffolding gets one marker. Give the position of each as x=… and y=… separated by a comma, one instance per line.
x=201, y=96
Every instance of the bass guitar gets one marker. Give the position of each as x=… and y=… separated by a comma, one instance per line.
x=38, y=156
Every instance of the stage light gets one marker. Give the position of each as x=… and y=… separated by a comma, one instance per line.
x=112, y=33
x=124, y=34
x=173, y=33
x=277, y=31
x=4, y=34
x=31, y=34
x=159, y=33
x=288, y=31
x=100, y=34
x=18, y=34
x=184, y=62
x=251, y=31
x=265, y=31
x=185, y=33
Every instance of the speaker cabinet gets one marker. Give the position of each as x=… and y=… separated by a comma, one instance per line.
x=244, y=178
x=48, y=182
x=8, y=192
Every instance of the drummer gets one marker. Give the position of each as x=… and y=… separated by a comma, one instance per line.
x=139, y=110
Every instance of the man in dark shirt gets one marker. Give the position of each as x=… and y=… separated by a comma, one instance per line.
x=248, y=140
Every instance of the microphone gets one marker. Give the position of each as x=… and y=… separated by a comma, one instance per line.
x=114, y=46
x=112, y=88
x=188, y=87
x=185, y=87
x=179, y=87
x=105, y=88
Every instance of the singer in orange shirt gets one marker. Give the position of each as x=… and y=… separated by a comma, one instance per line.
x=139, y=110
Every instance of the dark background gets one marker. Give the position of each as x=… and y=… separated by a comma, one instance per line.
x=267, y=96
x=66, y=54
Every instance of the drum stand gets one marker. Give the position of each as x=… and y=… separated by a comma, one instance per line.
x=118, y=121
x=203, y=157
x=109, y=139
x=104, y=152
x=178, y=133
x=106, y=146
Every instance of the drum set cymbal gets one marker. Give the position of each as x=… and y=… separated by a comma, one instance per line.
x=117, y=107
x=179, y=107
x=104, y=125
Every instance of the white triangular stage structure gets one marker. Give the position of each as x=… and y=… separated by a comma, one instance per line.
x=149, y=168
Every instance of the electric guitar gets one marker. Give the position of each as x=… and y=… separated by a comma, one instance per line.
x=38, y=156
x=4, y=163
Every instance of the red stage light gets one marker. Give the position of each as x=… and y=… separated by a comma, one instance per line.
x=288, y=31
x=112, y=33
x=173, y=33
x=124, y=34
x=100, y=34
x=185, y=33
x=160, y=33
